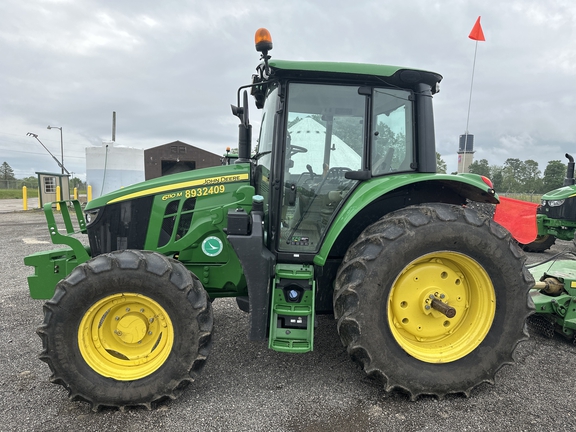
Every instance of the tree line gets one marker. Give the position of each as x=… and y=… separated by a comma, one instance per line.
x=521, y=176
x=516, y=176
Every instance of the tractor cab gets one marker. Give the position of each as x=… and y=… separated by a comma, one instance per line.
x=325, y=128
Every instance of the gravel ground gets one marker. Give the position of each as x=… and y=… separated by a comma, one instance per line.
x=246, y=387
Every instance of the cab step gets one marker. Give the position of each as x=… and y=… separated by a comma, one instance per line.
x=292, y=309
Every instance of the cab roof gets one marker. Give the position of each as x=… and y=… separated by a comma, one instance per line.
x=362, y=72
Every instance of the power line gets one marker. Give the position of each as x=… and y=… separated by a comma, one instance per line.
x=37, y=153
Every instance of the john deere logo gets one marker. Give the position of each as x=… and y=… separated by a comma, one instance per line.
x=212, y=246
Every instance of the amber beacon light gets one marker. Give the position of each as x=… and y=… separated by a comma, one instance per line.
x=263, y=40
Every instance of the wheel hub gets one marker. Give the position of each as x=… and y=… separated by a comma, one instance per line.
x=437, y=301
x=441, y=307
x=131, y=329
x=125, y=336
x=422, y=284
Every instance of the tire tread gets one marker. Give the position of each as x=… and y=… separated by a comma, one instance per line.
x=349, y=282
x=175, y=273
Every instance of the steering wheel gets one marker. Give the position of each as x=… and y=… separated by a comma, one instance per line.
x=297, y=149
x=337, y=172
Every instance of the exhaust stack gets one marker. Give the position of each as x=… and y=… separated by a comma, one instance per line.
x=569, y=180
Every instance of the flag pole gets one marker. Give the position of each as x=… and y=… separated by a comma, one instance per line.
x=471, y=85
x=478, y=35
x=470, y=98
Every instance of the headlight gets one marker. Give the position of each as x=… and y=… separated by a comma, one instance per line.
x=555, y=203
x=91, y=216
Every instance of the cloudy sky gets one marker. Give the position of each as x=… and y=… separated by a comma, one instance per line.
x=170, y=69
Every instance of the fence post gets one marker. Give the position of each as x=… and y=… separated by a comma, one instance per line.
x=24, y=198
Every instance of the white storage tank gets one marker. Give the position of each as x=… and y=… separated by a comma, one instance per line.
x=113, y=166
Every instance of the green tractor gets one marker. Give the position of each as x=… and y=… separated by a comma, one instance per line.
x=339, y=209
x=556, y=216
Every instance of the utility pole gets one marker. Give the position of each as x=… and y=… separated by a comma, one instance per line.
x=61, y=145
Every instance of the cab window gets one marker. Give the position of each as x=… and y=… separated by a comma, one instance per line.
x=392, y=139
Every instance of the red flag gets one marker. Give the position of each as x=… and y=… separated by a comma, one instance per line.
x=477, y=33
x=518, y=217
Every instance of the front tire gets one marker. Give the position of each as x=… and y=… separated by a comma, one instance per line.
x=437, y=252
x=541, y=243
x=127, y=328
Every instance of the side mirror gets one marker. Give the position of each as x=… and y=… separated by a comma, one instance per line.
x=244, y=130
x=358, y=175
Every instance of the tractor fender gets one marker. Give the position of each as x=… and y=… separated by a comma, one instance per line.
x=381, y=195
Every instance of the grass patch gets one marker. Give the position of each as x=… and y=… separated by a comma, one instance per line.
x=32, y=193
x=17, y=193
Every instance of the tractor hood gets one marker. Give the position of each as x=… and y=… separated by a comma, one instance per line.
x=560, y=193
x=166, y=185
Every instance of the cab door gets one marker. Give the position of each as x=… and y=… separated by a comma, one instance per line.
x=325, y=135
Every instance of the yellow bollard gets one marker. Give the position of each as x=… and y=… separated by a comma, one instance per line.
x=75, y=193
x=89, y=193
x=58, y=197
x=24, y=198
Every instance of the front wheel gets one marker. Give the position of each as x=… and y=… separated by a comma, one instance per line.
x=432, y=299
x=127, y=328
x=542, y=243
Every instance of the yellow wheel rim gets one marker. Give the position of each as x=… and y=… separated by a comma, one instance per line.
x=125, y=336
x=459, y=283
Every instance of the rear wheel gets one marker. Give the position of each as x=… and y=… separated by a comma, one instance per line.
x=432, y=299
x=125, y=329
x=542, y=243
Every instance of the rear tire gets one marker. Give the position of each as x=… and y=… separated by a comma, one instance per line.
x=541, y=244
x=382, y=298
x=128, y=328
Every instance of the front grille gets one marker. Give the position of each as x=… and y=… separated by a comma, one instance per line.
x=566, y=211
x=120, y=226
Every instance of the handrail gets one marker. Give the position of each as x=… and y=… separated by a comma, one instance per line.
x=79, y=249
